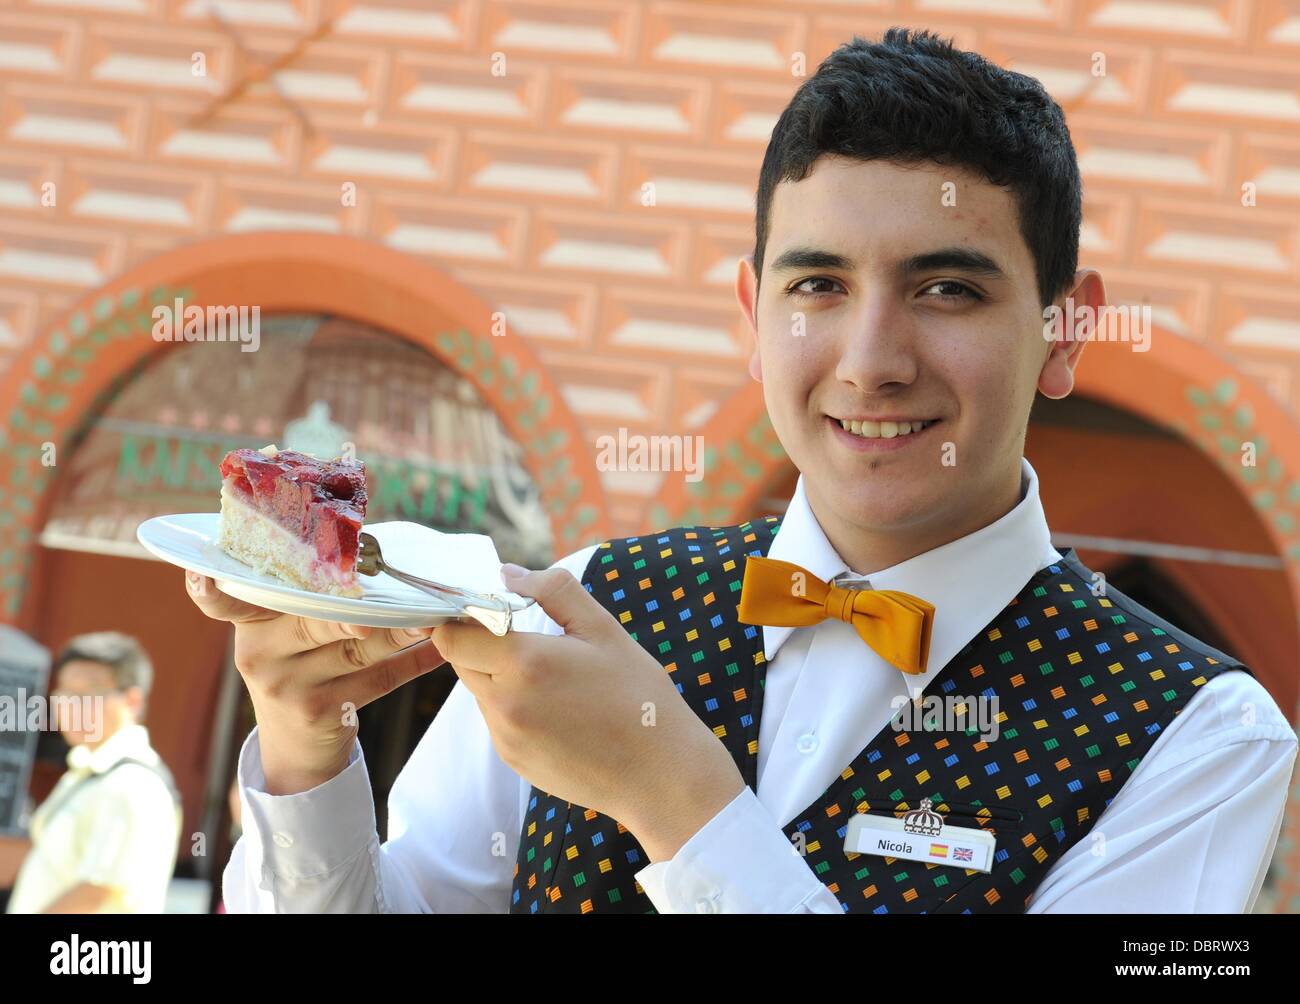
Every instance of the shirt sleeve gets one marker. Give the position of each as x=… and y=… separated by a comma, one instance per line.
x=738, y=862
x=133, y=827
x=1194, y=829
x=453, y=823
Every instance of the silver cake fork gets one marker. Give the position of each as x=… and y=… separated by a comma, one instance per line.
x=493, y=612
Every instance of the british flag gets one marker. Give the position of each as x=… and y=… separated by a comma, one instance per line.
x=961, y=854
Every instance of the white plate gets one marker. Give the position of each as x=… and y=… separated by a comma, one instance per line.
x=467, y=560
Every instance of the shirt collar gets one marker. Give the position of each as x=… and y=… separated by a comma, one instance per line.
x=128, y=741
x=969, y=580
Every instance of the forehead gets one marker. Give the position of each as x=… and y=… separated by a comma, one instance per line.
x=82, y=673
x=880, y=211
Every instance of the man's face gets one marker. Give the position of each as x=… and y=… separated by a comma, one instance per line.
x=867, y=311
x=93, y=707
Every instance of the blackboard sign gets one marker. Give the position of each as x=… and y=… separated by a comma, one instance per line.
x=24, y=667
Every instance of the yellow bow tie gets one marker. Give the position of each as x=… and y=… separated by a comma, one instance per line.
x=782, y=594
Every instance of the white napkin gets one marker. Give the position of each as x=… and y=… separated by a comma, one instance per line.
x=467, y=560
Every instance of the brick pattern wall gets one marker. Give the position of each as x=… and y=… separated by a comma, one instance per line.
x=514, y=144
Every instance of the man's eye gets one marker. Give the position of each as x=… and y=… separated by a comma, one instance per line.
x=953, y=291
x=803, y=286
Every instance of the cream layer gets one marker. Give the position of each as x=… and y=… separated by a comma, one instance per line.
x=268, y=548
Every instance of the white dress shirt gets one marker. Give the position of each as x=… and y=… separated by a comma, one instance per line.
x=1192, y=830
x=120, y=831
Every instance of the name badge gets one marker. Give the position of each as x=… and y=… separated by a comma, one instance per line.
x=921, y=835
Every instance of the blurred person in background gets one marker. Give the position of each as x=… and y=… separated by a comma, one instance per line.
x=105, y=841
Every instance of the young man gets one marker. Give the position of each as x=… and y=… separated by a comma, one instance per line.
x=106, y=838
x=918, y=209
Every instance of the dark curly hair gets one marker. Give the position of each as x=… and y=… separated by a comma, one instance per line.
x=911, y=98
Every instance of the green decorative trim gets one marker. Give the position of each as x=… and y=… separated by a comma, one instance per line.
x=46, y=394
x=730, y=472
x=531, y=405
x=1272, y=491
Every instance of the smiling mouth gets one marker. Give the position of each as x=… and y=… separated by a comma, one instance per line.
x=867, y=429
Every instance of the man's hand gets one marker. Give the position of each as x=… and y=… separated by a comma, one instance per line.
x=590, y=717
x=307, y=679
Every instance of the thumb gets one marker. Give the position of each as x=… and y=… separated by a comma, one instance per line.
x=563, y=597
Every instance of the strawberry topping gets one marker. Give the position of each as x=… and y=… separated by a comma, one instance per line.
x=321, y=502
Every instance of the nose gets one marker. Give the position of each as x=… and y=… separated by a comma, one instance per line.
x=877, y=345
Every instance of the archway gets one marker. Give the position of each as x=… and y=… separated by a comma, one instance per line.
x=66, y=375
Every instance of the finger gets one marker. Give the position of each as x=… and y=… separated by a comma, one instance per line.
x=562, y=597
x=220, y=606
x=479, y=684
x=352, y=655
x=307, y=634
x=279, y=635
x=367, y=685
x=469, y=645
x=284, y=634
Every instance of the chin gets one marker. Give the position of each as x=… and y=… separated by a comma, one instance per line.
x=888, y=514
x=885, y=505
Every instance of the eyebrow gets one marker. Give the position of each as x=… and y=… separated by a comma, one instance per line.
x=961, y=259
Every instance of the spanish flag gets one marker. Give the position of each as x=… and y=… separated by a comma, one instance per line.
x=939, y=850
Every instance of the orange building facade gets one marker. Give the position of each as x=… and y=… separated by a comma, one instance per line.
x=547, y=200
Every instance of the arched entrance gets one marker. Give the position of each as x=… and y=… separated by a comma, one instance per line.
x=66, y=376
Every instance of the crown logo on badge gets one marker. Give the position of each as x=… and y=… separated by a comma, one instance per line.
x=923, y=821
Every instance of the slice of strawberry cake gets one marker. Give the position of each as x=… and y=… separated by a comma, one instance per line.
x=294, y=516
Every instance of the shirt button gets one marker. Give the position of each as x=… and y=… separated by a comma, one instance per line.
x=282, y=839
x=707, y=904
x=806, y=743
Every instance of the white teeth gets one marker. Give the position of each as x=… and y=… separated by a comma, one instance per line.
x=883, y=430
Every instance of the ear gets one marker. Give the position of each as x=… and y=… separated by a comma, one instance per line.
x=747, y=297
x=1056, y=379
x=134, y=698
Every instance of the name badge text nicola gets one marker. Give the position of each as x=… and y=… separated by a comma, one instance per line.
x=921, y=835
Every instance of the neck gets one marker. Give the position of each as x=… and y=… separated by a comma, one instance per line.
x=867, y=549
x=110, y=730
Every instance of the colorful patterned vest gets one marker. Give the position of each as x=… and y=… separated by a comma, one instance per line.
x=1085, y=684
